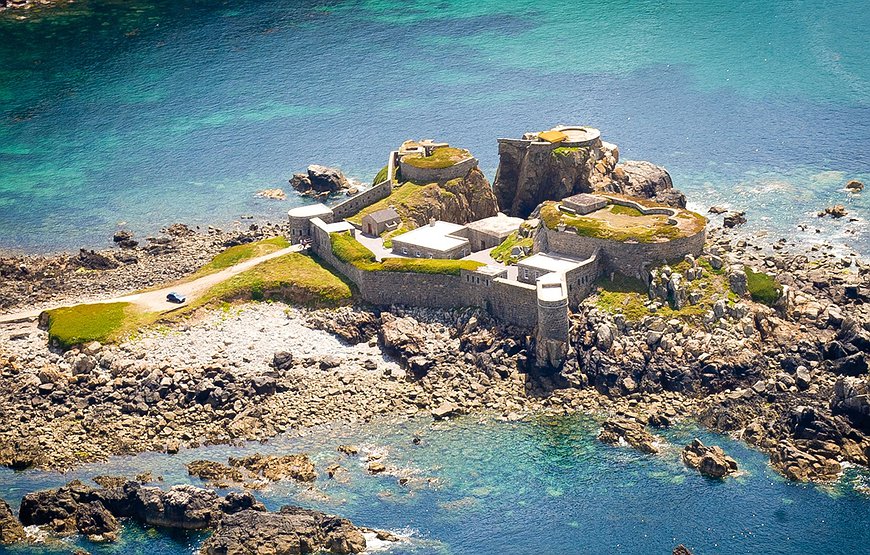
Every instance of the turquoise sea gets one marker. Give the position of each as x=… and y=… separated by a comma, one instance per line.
x=149, y=112
x=545, y=487
x=154, y=111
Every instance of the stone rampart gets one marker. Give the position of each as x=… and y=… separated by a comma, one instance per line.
x=357, y=202
x=508, y=301
x=436, y=175
x=631, y=259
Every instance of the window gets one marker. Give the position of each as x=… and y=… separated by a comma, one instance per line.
x=404, y=250
x=417, y=254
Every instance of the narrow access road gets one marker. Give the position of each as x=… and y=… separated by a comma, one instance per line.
x=155, y=301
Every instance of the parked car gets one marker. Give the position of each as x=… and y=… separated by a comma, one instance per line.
x=176, y=298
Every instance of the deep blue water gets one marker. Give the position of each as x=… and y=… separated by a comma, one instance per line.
x=148, y=112
x=545, y=486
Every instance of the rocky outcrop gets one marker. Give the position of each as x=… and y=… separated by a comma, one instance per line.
x=352, y=324
x=646, y=180
x=528, y=175
x=242, y=523
x=459, y=201
x=852, y=398
x=319, y=181
x=11, y=530
x=682, y=550
x=710, y=461
x=627, y=429
x=291, y=531
x=211, y=471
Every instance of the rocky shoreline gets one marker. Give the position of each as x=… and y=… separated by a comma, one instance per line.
x=791, y=380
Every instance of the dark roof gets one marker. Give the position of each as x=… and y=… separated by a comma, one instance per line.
x=383, y=216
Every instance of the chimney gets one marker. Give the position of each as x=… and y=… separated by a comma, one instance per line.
x=432, y=222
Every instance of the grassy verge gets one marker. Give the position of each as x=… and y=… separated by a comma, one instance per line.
x=443, y=157
x=293, y=278
x=502, y=253
x=762, y=287
x=349, y=250
x=625, y=210
x=565, y=150
x=623, y=295
x=103, y=322
x=241, y=253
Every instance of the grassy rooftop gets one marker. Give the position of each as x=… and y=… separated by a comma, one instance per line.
x=349, y=250
x=443, y=157
x=624, y=223
x=403, y=196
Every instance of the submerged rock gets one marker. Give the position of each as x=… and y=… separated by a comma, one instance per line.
x=213, y=471
x=297, y=467
x=709, y=461
x=630, y=431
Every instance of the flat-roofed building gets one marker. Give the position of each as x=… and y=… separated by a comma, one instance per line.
x=537, y=265
x=436, y=240
x=300, y=219
x=490, y=232
x=584, y=203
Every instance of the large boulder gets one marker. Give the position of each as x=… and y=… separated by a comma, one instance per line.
x=71, y=509
x=710, y=461
x=319, y=180
x=11, y=530
x=291, y=531
x=459, y=201
x=852, y=398
x=638, y=178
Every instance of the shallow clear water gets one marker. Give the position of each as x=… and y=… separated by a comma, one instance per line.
x=545, y=486
x=149, y=112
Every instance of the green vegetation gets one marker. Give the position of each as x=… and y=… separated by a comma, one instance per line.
x=407, y=194
x=240, y=253
x=293, y=278
x=103, y=322
x=502, y=253
x=428, y=265
x=349, y=250
x=625, y=210
x=762, y=287
x=648, y=229
x=381, y=176
x=629, y=296
x=623, y=294
x=561, y=151
x=443, y=157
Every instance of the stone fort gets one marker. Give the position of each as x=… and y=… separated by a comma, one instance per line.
x=577, y=240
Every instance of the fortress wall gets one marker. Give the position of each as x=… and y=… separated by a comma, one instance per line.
x=439, y=175
x=357, y=202
x=503, y=299
x=581, y=281
x=631, y=259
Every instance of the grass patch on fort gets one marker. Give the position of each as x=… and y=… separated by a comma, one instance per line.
x=293, y=278
x=443, y=157
x=349, y=250
x=622, y=295
x=103, y=322
x=241, y=253
x=381, y=175
x=503, y=252
x=407, y=194
x=562, y=151
x=762, y=287
x=621, y=223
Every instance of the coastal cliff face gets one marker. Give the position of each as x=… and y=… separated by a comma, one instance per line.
x=529, y=174
x=458, y=201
